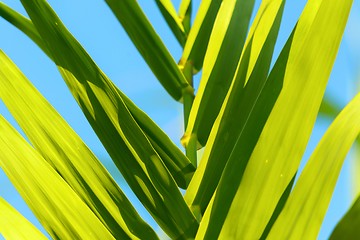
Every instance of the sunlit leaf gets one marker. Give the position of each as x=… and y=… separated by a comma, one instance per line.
x=315, y=186
x=59, y=209
x=122, y=137
x=196, y=44
x=249, y=203
x=245, y=109
x=185, y=14
x=173, y=20
x=66, y=152
x=14, y=226
x=224, y=49
x=150, y=46
x=176, y=162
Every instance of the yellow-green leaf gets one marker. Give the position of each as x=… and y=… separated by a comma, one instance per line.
x=150, y=46
x=185, y=14
x=176, y=162
x=173, y=20
x=315, y=186
x=122, y=137
x=246, y=108
x=15, y=226
x=249, y=205
x=224, y=49
x=66, y=152
x=197, y=42
x=59, y=209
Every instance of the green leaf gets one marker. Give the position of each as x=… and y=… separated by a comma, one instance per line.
x=23, y=24
x=197, y=42
x=59, y=209
x=14, y=226
x=249, y=205
x=185, y=14
x=329, y=108
x=176, y=162
x=224, y=49
x=315, y=186
x=150, y=46
x=348, y=227
x=245, y=109
x=69, y=156
x=173, y=20
x=107, y=113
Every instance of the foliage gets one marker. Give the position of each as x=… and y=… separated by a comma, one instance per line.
x=253, y=118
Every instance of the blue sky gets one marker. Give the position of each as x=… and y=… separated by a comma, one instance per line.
x=93, y=24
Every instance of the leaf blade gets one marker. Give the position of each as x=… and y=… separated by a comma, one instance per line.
x=153, y=50
x=65, y=151
x=314, y=188
x=15, y=226
x=40, y=185
x=174, y=22
x=124, y=140
x=178, y=164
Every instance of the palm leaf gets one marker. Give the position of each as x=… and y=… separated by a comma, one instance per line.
x=59, y=209
x=150, y=46
x=316, y=184
x=173, y=20
x=126, y=143
x=244, y=209
x=245, y=109
x=224, y=49
x=197, y=42
x=66, y=152
x=176, y=162
x=185, y=14
x=14, y=226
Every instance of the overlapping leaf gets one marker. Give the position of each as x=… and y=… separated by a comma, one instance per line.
x=177, y=163
x=245, y=109
x=106, y=111
x=221, y=59
x=59, y=209
x=14, y=226
x=315, y=186
x=69, y=156
x=185, y=14
x=150, y=46
x=173, y=20
x=197, y=42
x=279, y=149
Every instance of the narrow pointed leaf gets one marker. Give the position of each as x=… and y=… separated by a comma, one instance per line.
x=122, y=137
x=176, y=162
x=15, y=226
x=66, y=152
x=59, y=209
x=316, y=184
x=150, y=46
x=23, y=24
x=225, y=46
x=185, y=14
x=197, y=42
x=246, y=108
x=249, y=205
x=173, y=20
x=348, y=227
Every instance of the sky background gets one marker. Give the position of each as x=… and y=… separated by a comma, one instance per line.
x=95, y=27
